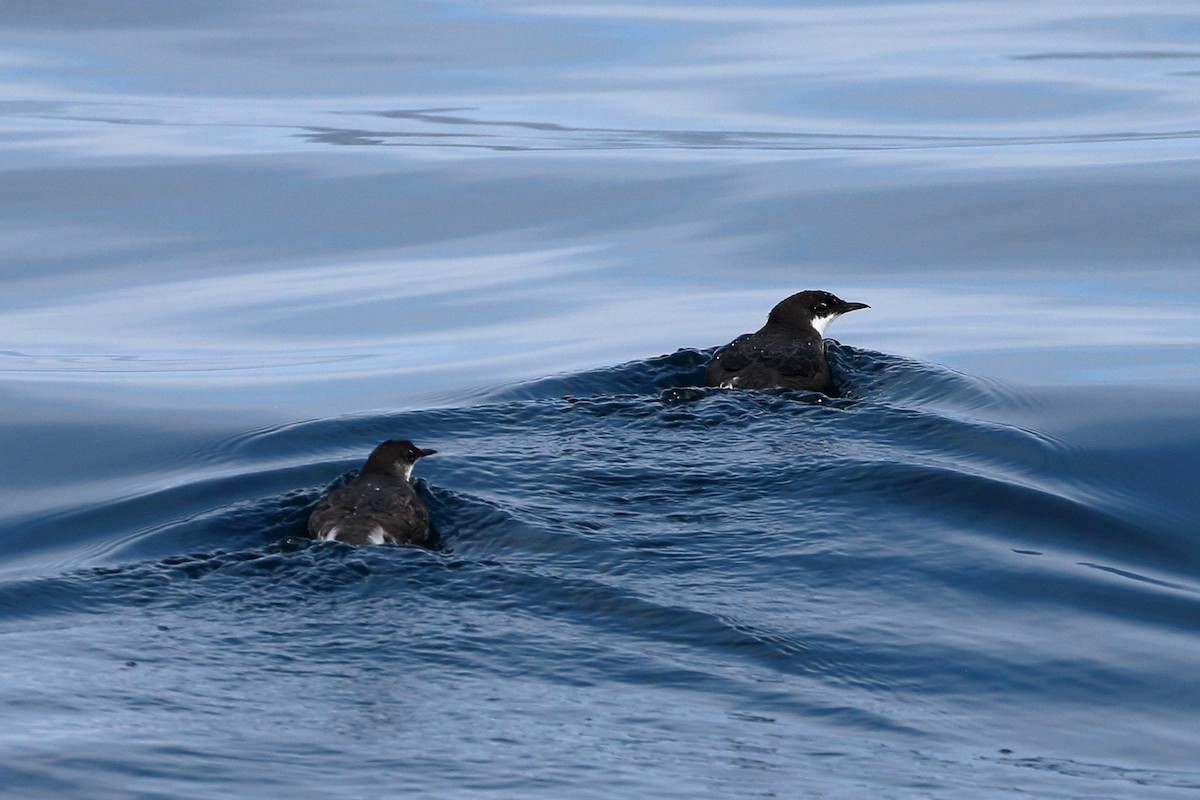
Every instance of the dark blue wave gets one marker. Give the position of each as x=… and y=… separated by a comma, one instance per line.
x=859, y=561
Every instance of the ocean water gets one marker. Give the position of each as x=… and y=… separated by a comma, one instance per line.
x=242, y=243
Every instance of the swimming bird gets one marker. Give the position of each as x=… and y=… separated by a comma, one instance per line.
x=785, y=353
x=378, y=506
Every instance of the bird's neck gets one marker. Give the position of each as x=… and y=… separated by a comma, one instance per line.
x=821, y=323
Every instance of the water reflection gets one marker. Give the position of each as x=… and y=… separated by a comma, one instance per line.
x=595, y=75
x=438, y=129
x=490, y=194
x=238, y=239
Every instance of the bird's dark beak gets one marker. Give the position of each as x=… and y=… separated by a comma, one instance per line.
x=854, y=307
x=422, y=453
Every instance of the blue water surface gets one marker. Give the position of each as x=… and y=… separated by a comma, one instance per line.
x=242, y=243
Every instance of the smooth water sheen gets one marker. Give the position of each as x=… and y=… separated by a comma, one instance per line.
x=241, y=244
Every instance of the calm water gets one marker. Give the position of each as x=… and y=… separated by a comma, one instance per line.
x=240, y=244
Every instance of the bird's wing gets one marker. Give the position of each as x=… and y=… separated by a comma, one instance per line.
x=396, y=501
x=787, y=356
x=796, y=358
x=325, y=515
x=736, y=355
x=391, y=503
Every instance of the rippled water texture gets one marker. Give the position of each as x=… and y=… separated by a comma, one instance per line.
x=241, y=244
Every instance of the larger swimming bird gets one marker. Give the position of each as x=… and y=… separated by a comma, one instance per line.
x=785, y=353
x=380, y=505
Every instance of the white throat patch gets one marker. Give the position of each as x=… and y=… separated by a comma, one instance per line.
x=821, y=323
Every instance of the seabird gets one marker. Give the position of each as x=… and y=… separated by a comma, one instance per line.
x=785, y=353
x=380, y=505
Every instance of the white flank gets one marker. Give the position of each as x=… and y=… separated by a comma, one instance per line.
x=376, y=536
x=329, y=534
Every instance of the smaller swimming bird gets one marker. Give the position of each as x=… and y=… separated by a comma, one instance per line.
x=380, y=505
x=785, y=353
